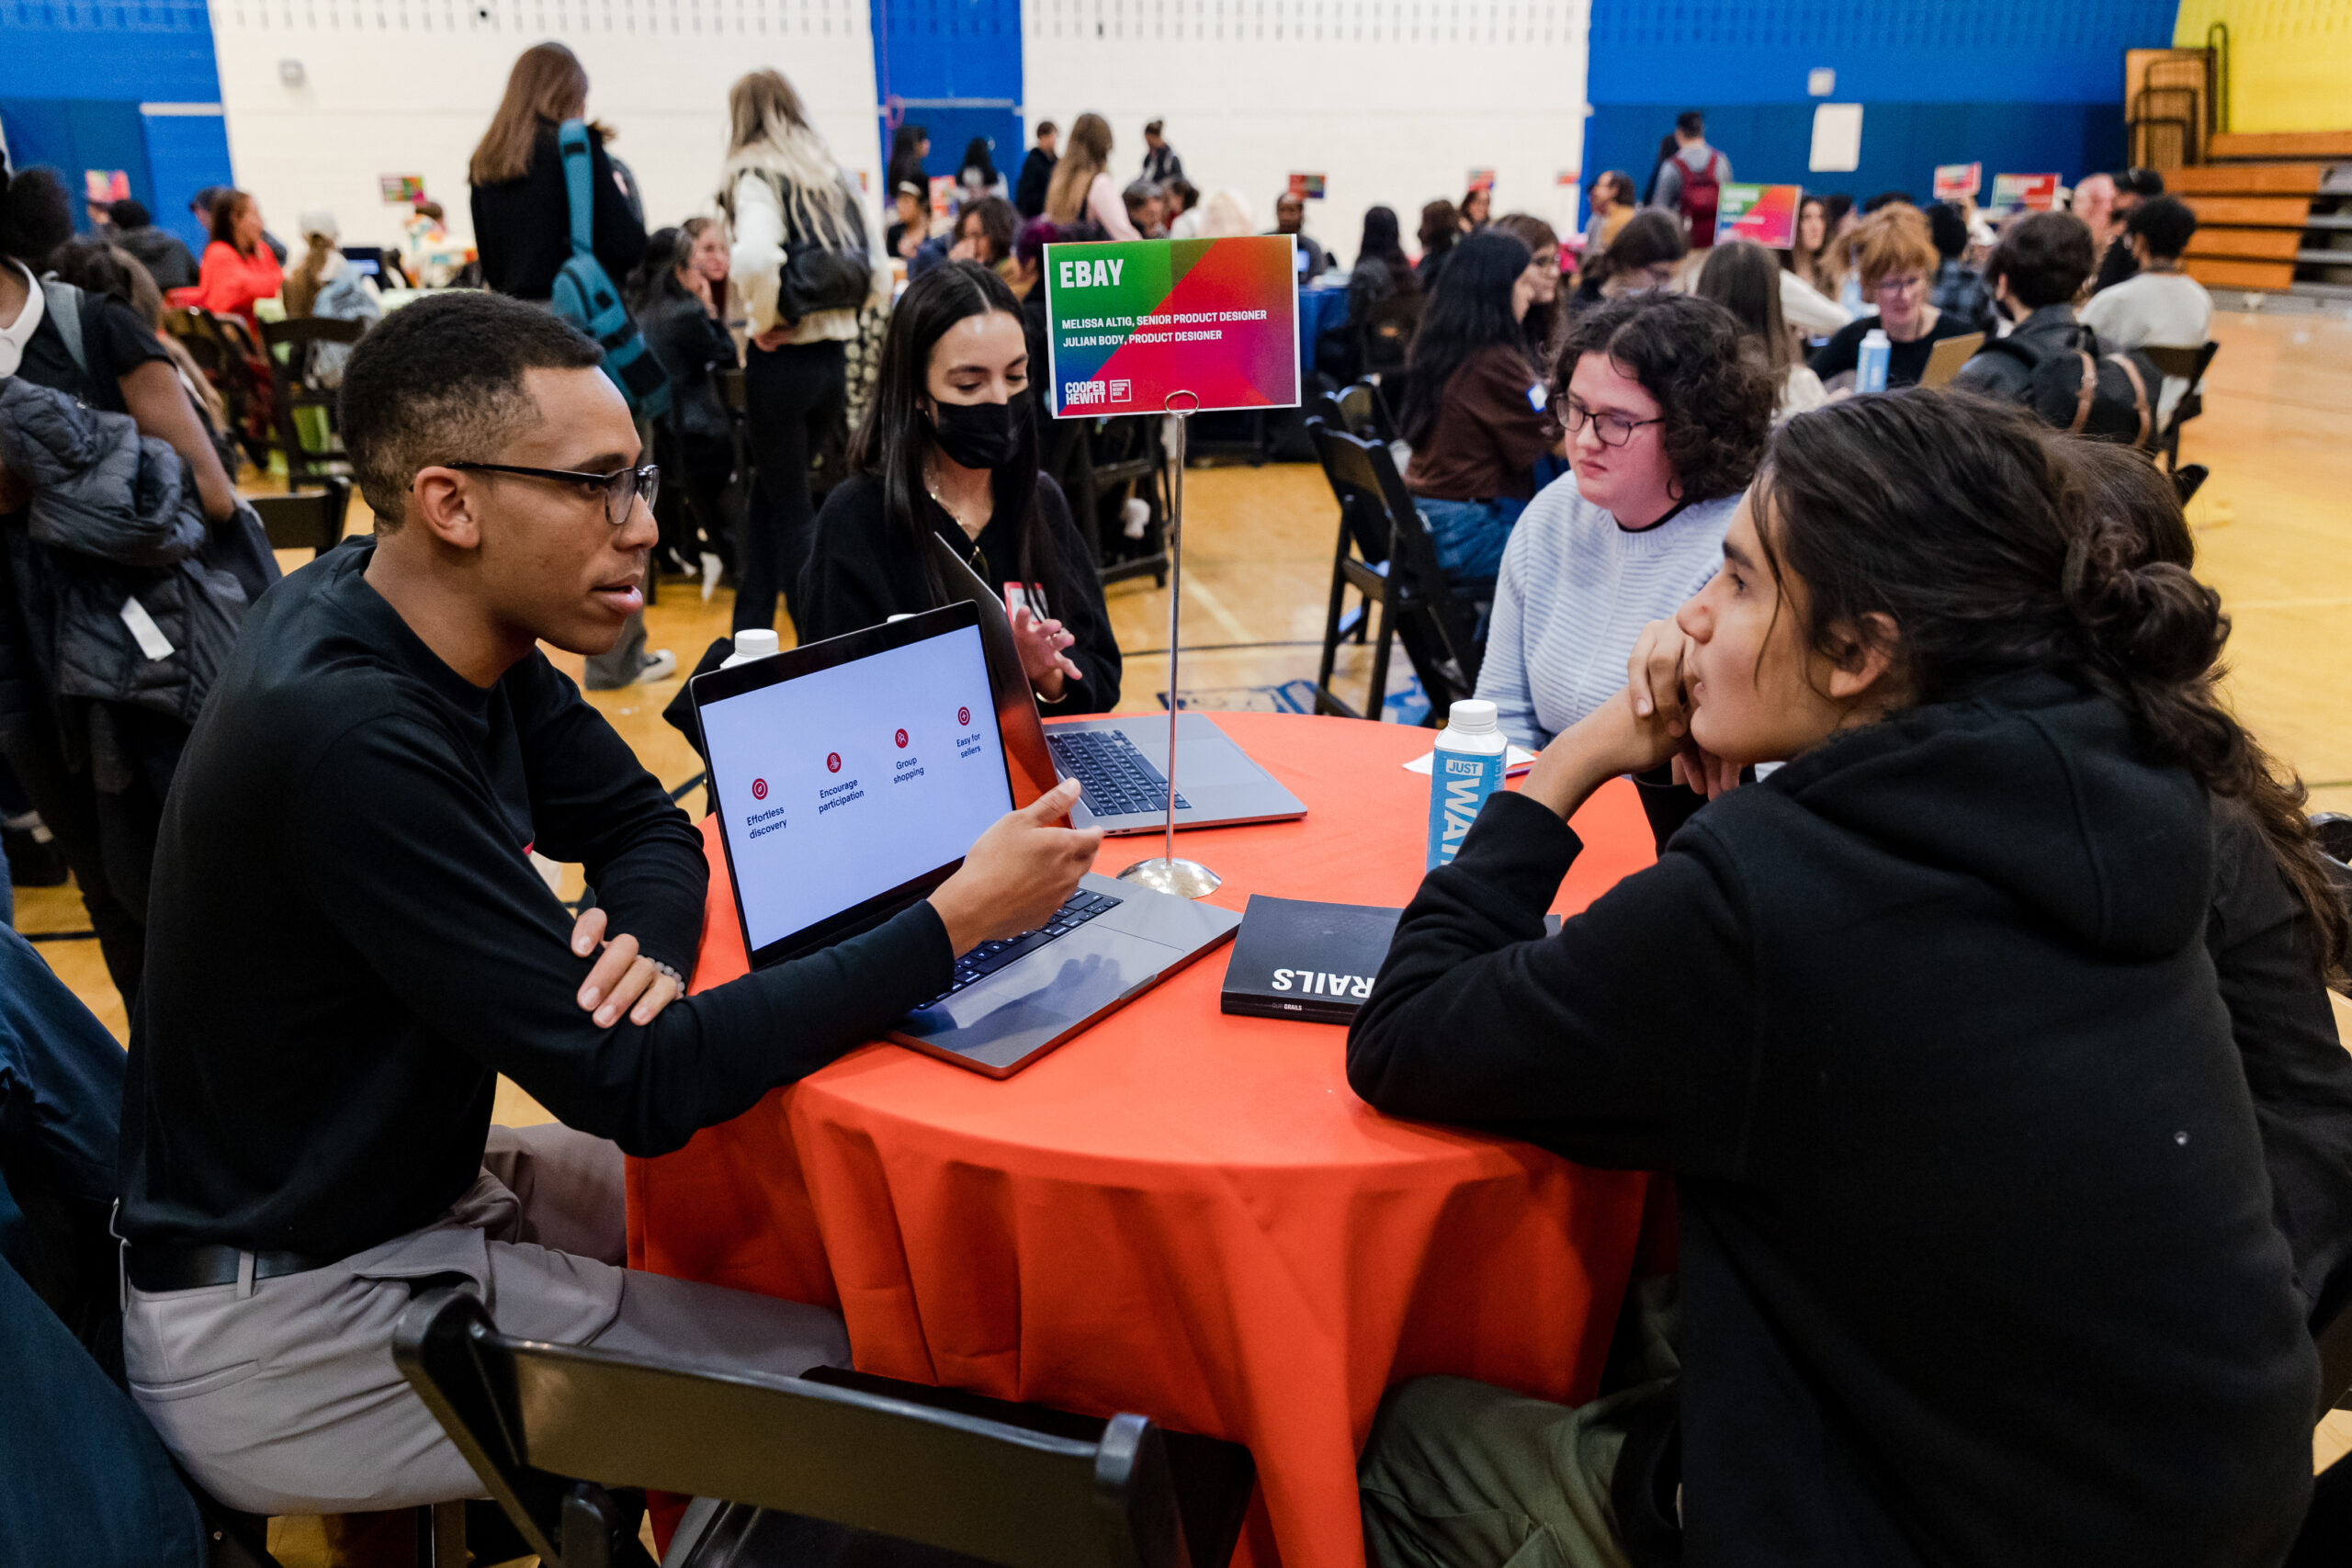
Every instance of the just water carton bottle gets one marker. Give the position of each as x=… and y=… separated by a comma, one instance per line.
x=1467, y=767
x=1869, y=362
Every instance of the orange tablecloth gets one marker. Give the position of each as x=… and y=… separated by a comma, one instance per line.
x=1179, y=1213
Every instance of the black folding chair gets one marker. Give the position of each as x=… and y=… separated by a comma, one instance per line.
x=1360, y=561
x=1101, y=465
x=1363, y=413
x=292, y=350
x=1437, y=620
x=2190, y=365
x=227, y=354
x=312, y=520
x=549, y=1428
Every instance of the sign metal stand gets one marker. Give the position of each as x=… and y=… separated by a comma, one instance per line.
x=1163, y=871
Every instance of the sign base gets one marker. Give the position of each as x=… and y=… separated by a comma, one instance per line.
x=1186, y=879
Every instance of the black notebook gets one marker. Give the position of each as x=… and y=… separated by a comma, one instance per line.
x=1293, y=959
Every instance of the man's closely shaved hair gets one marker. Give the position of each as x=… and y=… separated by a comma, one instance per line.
x=441, y=382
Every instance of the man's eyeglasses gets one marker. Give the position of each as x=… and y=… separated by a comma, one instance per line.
x=621, y=490
x=1614, y=429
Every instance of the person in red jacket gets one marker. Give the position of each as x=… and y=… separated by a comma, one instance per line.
x=238, y=268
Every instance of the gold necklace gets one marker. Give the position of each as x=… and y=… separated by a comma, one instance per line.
x=930, y=488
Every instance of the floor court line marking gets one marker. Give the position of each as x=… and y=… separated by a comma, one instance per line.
x=1215, y=607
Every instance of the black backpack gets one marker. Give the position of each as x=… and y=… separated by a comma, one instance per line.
x=2101, y=395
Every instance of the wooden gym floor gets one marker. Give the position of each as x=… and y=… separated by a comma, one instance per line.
x=2274, y=533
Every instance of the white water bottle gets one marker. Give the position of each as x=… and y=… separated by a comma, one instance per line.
x=1869, y=365
x=753, y=642
x=1466, y=768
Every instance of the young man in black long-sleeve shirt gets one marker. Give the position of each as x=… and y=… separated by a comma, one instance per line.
x=348, y=945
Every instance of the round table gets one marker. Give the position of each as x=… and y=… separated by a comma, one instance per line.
x=1179, y=1213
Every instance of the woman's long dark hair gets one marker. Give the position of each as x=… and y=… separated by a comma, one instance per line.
x=895, y=437
x=1469, y=310
x=976, y=157
x=1649, y=237
x=1382, y=243
x=1997, y=544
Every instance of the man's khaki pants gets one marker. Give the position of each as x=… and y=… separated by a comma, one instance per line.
x=281, y=1396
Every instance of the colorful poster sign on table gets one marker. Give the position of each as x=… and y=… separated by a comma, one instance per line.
x=2035, y=193
x=1954, y=180
x=1134, y=326
x=1309, y=187
x=1766, y=214
x=1481, y=179
x=400, y=190
x=106, y=185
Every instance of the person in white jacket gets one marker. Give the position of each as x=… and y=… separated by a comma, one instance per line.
x=780, y=190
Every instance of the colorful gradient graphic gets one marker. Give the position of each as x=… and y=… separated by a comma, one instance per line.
x=2035, y=193
x=1766, y=214
x=1956, y=180
x=1133, y=324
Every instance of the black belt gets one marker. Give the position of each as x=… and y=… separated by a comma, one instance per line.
x=155, y=1268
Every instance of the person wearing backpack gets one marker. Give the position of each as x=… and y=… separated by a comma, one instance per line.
x=535, y=240
x=2050, y=362
x=1690, y=183
x=96, y=772
x=804, y=266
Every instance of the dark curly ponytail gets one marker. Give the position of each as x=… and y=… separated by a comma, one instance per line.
x=1997, y=545
x=35, y=216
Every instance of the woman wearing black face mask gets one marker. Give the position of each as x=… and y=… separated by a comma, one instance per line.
x=949, y=451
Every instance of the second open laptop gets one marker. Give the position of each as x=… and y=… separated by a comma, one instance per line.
x=849, y=778
x=1122, y=761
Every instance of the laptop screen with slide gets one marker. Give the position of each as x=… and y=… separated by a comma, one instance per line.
x=850, y=777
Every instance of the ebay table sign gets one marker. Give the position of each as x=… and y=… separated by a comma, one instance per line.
x=2035, y=193
x=1954, y=180
x=1766, y=214
x=1133, y=324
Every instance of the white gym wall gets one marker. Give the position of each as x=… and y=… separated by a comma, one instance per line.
x=408, y=87
x=1393, y=101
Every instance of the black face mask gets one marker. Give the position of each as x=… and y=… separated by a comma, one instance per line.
x=980, y=436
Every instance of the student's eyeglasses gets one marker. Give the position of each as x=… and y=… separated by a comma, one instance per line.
x=621, y=490
x=1614, y=429
x=1907, y=283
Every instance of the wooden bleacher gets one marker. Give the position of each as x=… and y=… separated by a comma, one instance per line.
x=2274, y=211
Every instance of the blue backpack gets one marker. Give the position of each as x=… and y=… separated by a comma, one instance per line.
x=585, y=296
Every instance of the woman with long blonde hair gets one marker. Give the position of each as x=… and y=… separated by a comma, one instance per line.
x=522, y=209
x=804, y=269
x=1082, y=189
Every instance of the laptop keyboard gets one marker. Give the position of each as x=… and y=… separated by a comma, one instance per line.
x=1119, y=780
x=990, y=956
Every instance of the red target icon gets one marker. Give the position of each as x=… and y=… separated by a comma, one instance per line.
x=902, y=741
x=963, y=717
x=759, y=789
x=832, y=761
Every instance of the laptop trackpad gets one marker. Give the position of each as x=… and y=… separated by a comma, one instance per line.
x=1045, y=993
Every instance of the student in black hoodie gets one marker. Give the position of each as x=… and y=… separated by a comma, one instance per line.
x=1978, y=1264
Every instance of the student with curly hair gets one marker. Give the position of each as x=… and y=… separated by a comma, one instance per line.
x=1666, y=418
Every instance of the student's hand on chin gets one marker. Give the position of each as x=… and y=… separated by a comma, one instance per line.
x=1019, y=872
x=623, y=980
x=1610, y=739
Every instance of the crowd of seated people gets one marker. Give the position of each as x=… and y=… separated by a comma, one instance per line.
x=1809, y=625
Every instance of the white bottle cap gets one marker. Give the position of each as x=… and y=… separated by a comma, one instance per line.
x=753, y=642
x=1472, y=716
x=1875, y=337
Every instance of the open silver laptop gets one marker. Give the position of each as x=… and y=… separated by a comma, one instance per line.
x=851, y=775
x=1122, y=761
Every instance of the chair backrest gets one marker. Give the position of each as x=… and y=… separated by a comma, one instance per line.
x=1437, y=626
x=534, y=1418
x=298, y=337
x=1364, y=414
x=2188, y=363
x=312, y=520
